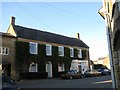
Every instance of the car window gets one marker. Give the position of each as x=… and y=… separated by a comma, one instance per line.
x=72, y=72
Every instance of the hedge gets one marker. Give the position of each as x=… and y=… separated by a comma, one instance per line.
x=33, y=75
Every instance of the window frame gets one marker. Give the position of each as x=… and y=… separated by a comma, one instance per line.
x=61, y=67
x=4, y=50
x=79, y=53
x=61, y=49
x=35, y=47
x=50, y=50
x=71, y=52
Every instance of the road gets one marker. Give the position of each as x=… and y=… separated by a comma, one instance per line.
x=88, y=82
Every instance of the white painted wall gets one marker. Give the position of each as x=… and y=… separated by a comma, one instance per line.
x=82, y=64
x=74, y=65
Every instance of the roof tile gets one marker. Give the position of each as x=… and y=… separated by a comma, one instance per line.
x=39, y=35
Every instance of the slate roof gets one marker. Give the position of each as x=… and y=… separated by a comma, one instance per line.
x=29, y=33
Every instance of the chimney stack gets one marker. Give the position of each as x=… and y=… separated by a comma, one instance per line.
x=78, y=36
x=12, y=20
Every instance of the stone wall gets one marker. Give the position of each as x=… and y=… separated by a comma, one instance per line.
x=9, y=42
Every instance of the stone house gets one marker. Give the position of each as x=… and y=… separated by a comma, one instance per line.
x=111, y=13
x=104, y=61
x=7, y=53
x=39, y=51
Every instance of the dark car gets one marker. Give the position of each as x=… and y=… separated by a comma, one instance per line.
x=71, y=74
x=91, y=73
x=8, y=83
x=104, y=71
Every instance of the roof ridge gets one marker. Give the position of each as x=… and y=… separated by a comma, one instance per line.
x=46, y=32
x=36, y=34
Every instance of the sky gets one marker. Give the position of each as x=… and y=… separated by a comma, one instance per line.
x=65, y=18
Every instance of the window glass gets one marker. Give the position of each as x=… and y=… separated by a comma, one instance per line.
x=79, y=53
x=33, y=48
x=4, y=50
x=61, y=50
x=48, y=49
x=71, y=52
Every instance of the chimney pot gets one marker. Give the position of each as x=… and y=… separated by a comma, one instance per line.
x=78, y=36
x=12, y=21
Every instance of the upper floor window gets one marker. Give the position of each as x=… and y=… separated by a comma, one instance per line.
x=4, y=50
x=61, y=50
x=33, y=48
x=48, y=50
x=71, y=52
x=79, y=53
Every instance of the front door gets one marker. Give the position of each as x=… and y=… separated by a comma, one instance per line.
x=7, y=69
x=49, y=69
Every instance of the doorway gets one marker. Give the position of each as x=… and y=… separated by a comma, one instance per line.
x=49, y=69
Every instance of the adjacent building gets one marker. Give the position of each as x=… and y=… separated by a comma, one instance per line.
x=104, y=61
x=7, y=53
x=111, y=13
x=32, y=50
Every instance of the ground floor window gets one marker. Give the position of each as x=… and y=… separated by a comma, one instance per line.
x=61, y=67
x=4, y=51
x=33, y=67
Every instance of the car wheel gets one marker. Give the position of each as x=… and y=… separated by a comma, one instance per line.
x=82, y=76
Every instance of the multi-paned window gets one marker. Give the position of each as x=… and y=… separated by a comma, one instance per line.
x=61, y=51
x=48, y=50
x=71, y=52
x=4, y=50
x=33, y=48
x=79, y=53
x=61, y=67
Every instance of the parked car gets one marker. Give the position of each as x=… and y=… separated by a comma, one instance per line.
x=104, y=71
x=89, y=73
x=8, y=83
x=71, y=74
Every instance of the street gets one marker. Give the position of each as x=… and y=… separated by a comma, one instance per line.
x=88, y=82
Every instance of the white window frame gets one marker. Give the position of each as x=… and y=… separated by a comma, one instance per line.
x=61, y=50
x=33, y=68
x=35, y=47
x=4, y=51
x=79, y=53
x=48, y=50
x=71, y=52
x=61, y=67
